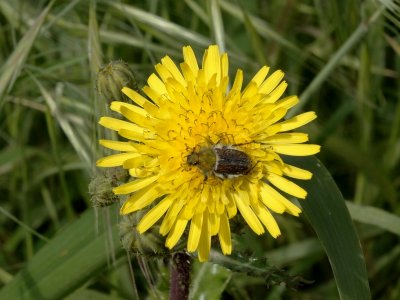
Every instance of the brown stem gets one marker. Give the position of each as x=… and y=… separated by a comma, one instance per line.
x=180, y=276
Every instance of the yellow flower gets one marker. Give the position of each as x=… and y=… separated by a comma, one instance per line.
x=199, y=152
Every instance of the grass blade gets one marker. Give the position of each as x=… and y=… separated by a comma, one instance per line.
x=326, y=210
x=74, y=134
x=374, y=216
x=334, y=61
x=13, y=65
x=67, y=261
x=161, y=24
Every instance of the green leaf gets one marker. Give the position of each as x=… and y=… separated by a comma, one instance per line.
x=209, y=281
x=374, y=216
x=327, y=212
x=71, y=258
x=87, y=294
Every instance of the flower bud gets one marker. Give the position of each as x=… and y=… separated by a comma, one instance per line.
x=112, y=78
x=149, y=244
x=100, y=187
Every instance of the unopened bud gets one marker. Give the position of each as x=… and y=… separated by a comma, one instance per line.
x=149, y=244
x=112, y=78
x=100, y=187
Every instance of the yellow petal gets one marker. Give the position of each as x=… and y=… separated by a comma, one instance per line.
x=205, y=240
x=290, y=207
x=271, y=118
x=171, y=67
x=249, y=92
x=163, y=72
x=271, y=202
x=116, y=160
x=134, y=113
x=139, y=173
x=220, y=207
x=137, y=162
x=267, y=219
x=287, y=102
x=237, y=84
x=296, y=172
x=286, y=185
x=276, y=94
x=171, y=215
x=190, y=208
x=156, y=84
x=214, y=223
x=176, y=233
x=297, y=150
x=231, y=209
x=187, y=72
x=132, y=135
x=297, y=121
x=190, y=58
x=154, y=215
x=271, y=82
x=224, y=235
x=140, y=100
x=134, y=185
x=116, y=145
x=260, y=75
x=117, y=105
x=194, y=232
x=249, y=216
x=117, y=125
x=141, y=199
x=212, y=63
x=287, y=138
x=224, y=66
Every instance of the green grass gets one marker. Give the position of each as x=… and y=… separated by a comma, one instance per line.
x=341, y=57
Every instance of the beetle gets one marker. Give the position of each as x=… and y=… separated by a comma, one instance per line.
x=224, y=161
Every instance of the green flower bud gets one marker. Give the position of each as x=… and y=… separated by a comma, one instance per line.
x=112, y=78
x=149, y=244
x=100, y=187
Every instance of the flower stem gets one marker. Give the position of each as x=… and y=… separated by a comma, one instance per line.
x=180, y=276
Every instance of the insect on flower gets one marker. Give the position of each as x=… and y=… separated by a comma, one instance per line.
x=223, y=161
x=194, y=183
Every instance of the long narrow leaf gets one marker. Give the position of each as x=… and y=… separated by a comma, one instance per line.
x=374, y=216
x=68, y=260
x=327, y=212
x=14, y=63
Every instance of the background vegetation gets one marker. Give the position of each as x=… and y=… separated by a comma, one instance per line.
x=341, y=57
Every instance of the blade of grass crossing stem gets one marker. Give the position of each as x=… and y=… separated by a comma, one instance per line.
x=326, y=210
x=72, y=257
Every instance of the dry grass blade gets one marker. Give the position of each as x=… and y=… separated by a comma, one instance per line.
x=9, y=72
x=78, y=141
x=161, y=24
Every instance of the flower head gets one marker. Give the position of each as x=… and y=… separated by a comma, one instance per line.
x=199, y=152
